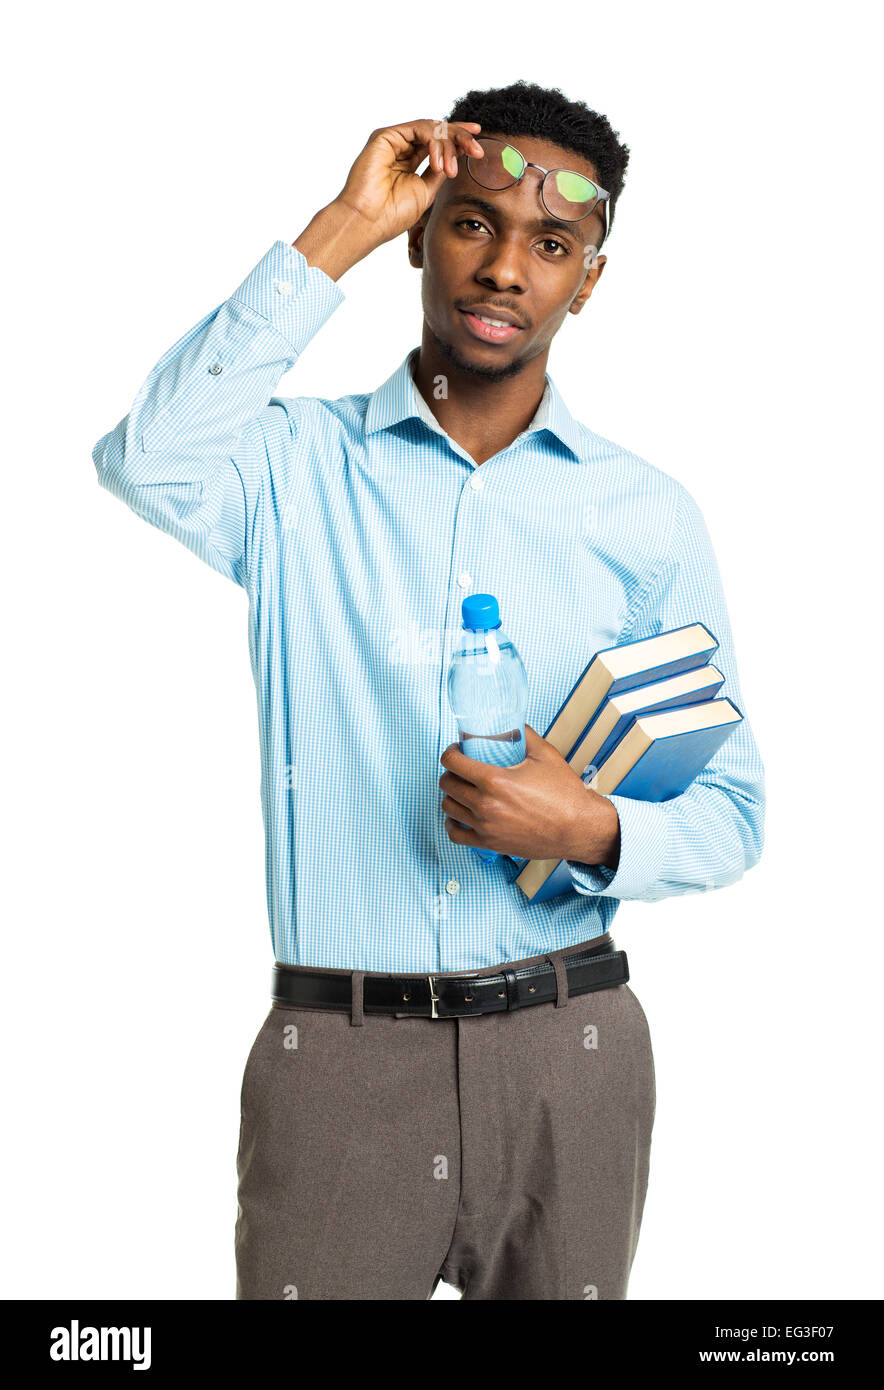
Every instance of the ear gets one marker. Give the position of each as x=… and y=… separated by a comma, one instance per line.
x=593, y=275
x=416, y=241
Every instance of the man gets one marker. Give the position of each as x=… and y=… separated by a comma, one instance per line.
x=452, y=1082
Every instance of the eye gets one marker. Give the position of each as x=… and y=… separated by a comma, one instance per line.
x=559, y=247
x=472, y=222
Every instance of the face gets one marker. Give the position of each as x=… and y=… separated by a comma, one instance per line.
x=500, y=253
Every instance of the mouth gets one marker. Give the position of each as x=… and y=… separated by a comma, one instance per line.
x=493, y=326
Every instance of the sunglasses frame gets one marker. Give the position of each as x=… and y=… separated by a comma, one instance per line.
x=603, y=194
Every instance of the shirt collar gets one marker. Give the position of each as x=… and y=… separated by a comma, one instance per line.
x=398, y=399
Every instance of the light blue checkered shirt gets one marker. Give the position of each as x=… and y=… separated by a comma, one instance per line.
x=356, y=526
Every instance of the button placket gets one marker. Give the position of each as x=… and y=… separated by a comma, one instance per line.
x=465, y=542
x=449, y=859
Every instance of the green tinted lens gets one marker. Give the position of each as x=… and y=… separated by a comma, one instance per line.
x=574, y=188
x=512, y=161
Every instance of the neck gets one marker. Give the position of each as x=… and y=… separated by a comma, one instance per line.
x=483, y=416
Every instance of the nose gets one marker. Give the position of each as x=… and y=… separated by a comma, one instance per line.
x=502, y=268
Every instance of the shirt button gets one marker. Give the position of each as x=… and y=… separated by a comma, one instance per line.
x=215, y=368
x=283, y=286
x=475, y=480
x=452, y=886
x=465, y=580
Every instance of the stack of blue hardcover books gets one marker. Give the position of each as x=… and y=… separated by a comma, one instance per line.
x=643, y=719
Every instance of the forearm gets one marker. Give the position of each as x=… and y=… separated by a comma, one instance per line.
x=612, y=857
x=335, y=239
x=596, y=838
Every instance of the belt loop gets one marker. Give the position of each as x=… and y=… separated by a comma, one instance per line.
x=512, y=989
x=356, y=1004
x=558, y=966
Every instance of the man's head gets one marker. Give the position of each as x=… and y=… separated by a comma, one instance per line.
x=499, y=251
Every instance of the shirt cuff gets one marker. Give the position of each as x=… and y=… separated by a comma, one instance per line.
x=643, y=838
x=295, y=297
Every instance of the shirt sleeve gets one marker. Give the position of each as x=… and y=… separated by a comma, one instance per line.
x=192, y=456
x=710, y=834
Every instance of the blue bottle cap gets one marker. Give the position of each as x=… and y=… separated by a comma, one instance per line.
x=480, y=612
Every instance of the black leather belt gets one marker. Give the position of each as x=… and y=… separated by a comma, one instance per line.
x=452, y=995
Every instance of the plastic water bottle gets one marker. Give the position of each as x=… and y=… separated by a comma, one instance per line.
x=488, y=691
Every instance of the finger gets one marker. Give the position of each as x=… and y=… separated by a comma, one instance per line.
x=420, y=134
x=470, y=769
x=459, y=141
x=452, y=136
x=459, y=835
x=448, y=158
x=457, y=788
x=409, y=139
x=467, y=142
x=468, y=129
x=415, y=160
x=457, y=811
x=433, y=182
x=435, y=140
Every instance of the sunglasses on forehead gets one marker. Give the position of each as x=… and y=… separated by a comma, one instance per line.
x=565, y=194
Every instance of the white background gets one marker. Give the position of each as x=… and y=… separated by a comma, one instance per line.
x=154, y=152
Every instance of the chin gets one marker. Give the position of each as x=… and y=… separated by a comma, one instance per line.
x=470, y=367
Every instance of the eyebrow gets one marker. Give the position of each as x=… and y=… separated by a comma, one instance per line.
x=537, y=225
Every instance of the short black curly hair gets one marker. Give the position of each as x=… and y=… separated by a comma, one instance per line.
x=524, y=108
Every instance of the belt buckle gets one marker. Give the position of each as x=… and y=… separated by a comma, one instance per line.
x=434, y=998
x=455, y=1012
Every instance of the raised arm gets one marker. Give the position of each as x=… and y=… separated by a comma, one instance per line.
x=203, y=437
x=191, y=455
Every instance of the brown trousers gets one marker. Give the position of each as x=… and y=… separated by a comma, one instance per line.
x=506, y=1154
